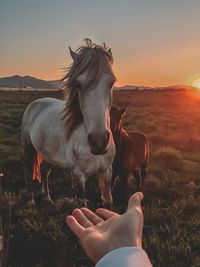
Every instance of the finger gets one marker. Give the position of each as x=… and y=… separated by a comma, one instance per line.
x=92, y=217
x=135, y=201
x=81, y=218
x=104, y=213
x=76, y=228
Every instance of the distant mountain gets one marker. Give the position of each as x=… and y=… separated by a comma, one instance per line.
x=181, y=87
x=28, y=82
x=142, y=88
x=133, y=87
x=55, y=83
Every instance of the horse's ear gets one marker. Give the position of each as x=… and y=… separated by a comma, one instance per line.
x=110, y=55
x=123, y=110
x=73, y=54
x=110, y=51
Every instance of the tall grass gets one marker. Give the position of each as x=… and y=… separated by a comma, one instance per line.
x=39, y=236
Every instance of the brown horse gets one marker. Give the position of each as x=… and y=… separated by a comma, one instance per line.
x=132, y=153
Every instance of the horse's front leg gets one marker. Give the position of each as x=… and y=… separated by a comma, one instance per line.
x=114, y=174
x=45, y=170
x=78, y=185
x=122, y=201
x=105, y=179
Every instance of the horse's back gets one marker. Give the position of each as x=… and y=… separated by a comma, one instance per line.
x=138, y=138
x=41, y=106
x=140, y=145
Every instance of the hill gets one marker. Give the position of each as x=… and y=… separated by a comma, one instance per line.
x=27, y=82
x=155, y=88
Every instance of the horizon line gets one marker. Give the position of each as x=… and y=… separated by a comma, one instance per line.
x=117, y=84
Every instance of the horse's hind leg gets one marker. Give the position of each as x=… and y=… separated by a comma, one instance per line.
x=45, y=169
x=137, y=176
x=143, y=171
x=28, y=160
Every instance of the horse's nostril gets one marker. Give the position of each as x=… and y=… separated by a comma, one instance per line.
x=91, y=139
x=99, y=142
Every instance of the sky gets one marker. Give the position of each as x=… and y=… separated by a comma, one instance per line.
x=154, y=42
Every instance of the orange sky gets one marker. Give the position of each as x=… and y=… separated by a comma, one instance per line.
x=153, y=44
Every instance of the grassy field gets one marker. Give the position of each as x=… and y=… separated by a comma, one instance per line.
x=39, y=237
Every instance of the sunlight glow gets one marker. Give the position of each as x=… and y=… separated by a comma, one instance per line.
x=196, y=82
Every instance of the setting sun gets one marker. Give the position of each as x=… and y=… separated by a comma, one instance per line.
x=196, y=82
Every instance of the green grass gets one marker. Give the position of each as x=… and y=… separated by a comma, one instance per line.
x=39, y=237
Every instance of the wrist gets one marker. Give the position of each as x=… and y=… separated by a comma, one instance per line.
x=123, y=257
x=120, y=243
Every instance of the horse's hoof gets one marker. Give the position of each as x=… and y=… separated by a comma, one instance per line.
x=81, y=203
x=31, y=203
x=47, y=199
x=85, y=203
x=107, y=204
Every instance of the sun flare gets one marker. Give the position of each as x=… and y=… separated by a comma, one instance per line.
x=196, y=83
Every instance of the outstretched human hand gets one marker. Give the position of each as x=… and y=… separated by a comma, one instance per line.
x=98, y=236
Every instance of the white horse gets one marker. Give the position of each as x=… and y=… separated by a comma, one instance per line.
x=74, y=134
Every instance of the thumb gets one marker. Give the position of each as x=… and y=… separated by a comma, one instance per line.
x=135, y=201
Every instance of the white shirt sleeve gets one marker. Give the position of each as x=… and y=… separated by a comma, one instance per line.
x=125, y=257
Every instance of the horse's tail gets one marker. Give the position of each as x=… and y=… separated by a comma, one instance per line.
x=36, y=175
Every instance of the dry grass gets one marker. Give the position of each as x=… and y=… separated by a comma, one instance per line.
x=171, y=120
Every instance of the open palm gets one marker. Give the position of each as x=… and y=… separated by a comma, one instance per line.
x=105, y=231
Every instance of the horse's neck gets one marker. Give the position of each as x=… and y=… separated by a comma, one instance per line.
x=118, y=137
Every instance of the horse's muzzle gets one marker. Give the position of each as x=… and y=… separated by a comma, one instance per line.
x=99, y=143
x=99, y=152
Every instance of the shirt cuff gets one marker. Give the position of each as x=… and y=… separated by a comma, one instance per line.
x=126, y=257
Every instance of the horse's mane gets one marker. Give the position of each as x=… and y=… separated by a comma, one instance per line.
x=94, y=58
